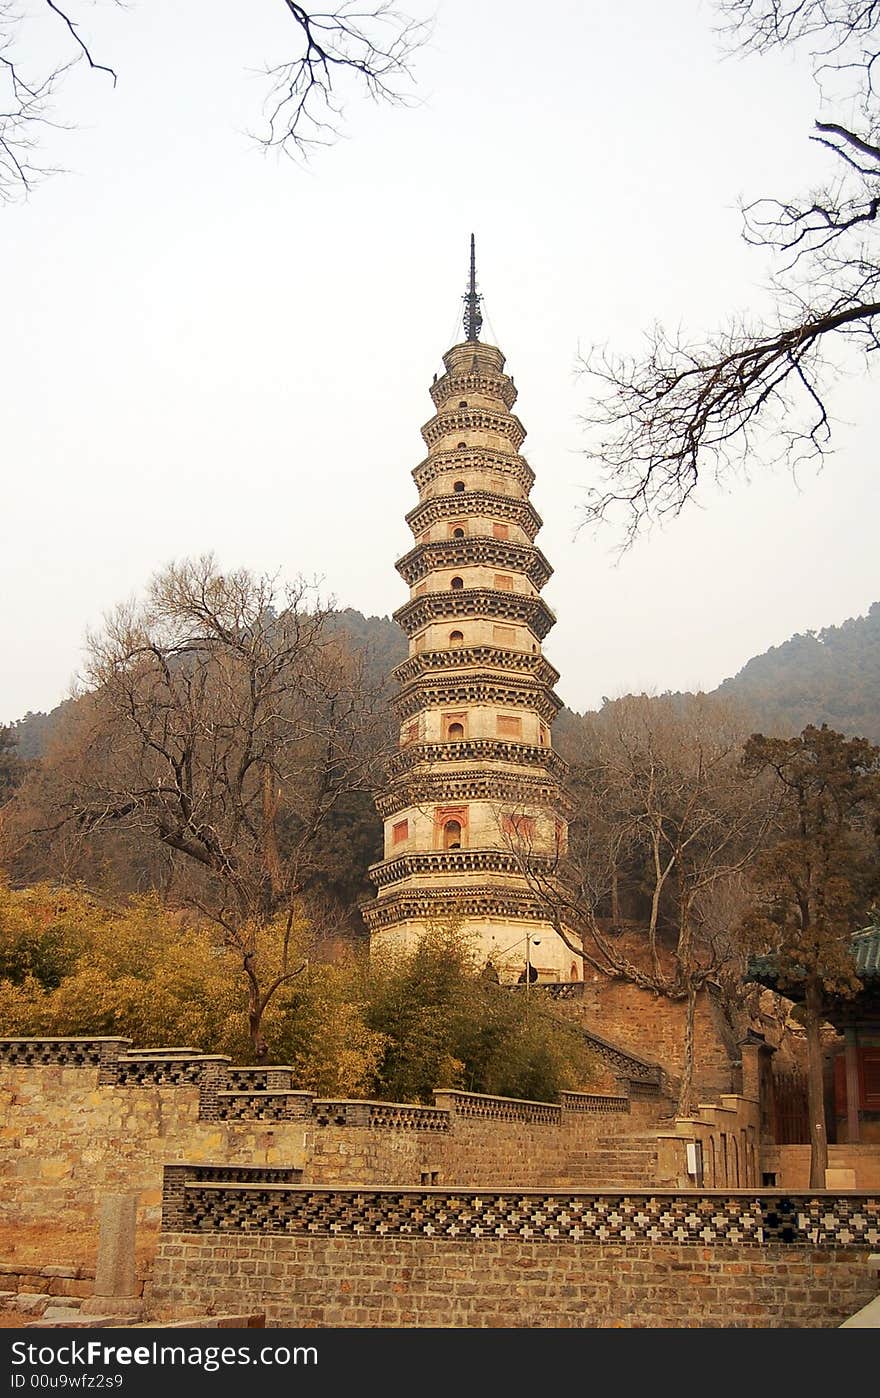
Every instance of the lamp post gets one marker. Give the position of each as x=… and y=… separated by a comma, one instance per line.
x=531, y=940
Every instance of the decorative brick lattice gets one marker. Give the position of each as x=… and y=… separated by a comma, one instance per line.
x=242, y=1174
x=563, y=990
x=176, y=1178
x=259, y=1079
x=399, y=1115
x=66, y=1053
x=625, y=1218
x=263, y=1105
x=816, y=1221
x=161, y=1070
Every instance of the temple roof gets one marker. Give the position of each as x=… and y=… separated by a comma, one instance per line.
x=865, y=950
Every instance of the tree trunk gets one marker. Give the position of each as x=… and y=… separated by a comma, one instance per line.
x=686, y=1090
x=256, y=1007
x=261, y=1048
x=815, y=1087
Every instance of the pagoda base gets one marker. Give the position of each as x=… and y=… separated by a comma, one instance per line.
x=497, y=939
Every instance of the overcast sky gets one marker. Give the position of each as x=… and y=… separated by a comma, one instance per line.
x=204, y=349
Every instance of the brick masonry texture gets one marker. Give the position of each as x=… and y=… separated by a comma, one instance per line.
x=650, y=1025
x=397, y=1282
x=71, y=1134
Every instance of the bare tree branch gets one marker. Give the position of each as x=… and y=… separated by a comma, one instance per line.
x=342, y=54
x=686, y=410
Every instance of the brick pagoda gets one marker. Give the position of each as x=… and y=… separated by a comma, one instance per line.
x=475, y=812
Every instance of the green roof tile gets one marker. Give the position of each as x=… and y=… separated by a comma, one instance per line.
x=865, y=947
x=866, y=950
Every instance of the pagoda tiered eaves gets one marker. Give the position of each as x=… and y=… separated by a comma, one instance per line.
x=477, y=689
x=513, y=789
x=449, y=903
x=475, y=811
x=444, y=424
x=466, y=861
x=478, y=750
x=474, y=502
x=489, y=658
x=454, y=385
x=476, y=601
x=474, y=550
x=443, y=463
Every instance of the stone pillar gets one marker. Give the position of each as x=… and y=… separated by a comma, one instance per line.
x=754, y=1051
x=116, y=1284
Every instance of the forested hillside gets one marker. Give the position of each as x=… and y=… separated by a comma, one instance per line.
x=830, y=676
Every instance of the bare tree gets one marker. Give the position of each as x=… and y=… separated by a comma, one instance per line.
x=687, y=408
x=666, y=818
x=225, y=723
x=339, y=54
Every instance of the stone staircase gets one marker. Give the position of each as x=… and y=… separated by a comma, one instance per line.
x=619, y=1162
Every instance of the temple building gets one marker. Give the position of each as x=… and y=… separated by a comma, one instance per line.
x=475, y=812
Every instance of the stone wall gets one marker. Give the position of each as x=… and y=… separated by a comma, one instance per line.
x=513, y=1259
x=727, y=1134
x=70, y=1135
x=642, y=1022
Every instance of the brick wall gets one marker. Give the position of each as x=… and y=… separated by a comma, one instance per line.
x=68, y=1136
x=65, y=1141
x=650, y=1025
x=406, y=1282
x=508, y=1258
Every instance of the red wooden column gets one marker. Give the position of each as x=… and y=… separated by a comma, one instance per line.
x=851, y=1054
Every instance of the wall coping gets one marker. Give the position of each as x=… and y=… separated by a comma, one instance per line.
x=265, y=1092
x=691, y=1197
x=66, y=1039
x=172, y=1055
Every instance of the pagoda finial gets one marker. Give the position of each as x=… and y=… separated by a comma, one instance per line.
x=473, y=319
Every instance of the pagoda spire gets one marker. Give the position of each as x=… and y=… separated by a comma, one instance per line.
x=473, y=318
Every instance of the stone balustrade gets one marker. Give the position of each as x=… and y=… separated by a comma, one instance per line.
x=585, y=1217
x=475, y=1104
x=593, y=1102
